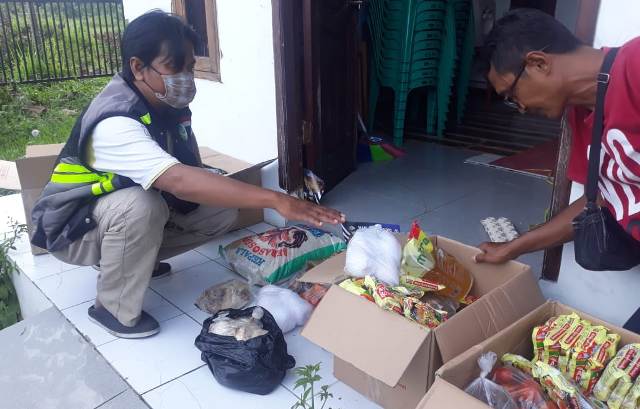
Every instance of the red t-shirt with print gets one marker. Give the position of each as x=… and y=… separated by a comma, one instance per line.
x=619, y=182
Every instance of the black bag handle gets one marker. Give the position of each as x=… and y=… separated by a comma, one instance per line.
x=596, y=135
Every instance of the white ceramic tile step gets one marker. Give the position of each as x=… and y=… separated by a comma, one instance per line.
x=40, y=266
x=199, y=390
x=150, y=362
x=307, y=353
x=71, y=287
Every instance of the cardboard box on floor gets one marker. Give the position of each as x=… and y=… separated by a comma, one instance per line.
x=453, y=377
x=392, y=360
x=34, y=171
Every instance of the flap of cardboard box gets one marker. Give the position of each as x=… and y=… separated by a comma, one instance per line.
x=498, y=307
x=35, y=172
x=444, y=395
x=378, y=342
x=52, y=149
x=9, y=175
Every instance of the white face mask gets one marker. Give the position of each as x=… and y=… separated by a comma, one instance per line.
x=180, y=89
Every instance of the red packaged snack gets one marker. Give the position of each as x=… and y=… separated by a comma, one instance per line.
x=525, y=391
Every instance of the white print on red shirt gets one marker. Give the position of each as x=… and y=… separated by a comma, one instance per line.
x=620, y=174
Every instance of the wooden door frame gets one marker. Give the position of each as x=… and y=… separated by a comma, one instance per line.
x=289, y=96
x=585, y=30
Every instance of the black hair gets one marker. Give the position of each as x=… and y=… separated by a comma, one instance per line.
x=521, y=31
x=146, y=36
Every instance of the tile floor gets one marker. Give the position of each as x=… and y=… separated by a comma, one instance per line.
x=432, y=185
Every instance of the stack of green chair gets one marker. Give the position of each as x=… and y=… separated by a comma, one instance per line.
x=465, y=35
x=413, y=46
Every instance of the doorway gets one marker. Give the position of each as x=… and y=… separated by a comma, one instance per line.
x=322, y=75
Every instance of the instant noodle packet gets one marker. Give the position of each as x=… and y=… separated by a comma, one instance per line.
x=618, y=377
x=422, y=313
x=356, y=287
x=408, y=292
x=559, y=389
x=632, y=400
x=520, y=362
x=383, y=296
x=421, y=283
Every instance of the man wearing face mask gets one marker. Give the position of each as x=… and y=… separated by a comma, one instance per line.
x=129, y=188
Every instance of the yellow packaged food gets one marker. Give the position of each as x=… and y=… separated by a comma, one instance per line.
x=620, y=369
x=620, y=392
x=383, y=296
x=632, y=400
x=418, y=254
x=603, y=353
x=408, y=292
x=422, y=313
x=572, y=337
x=519, y=362
x=421, y=283
x=356, y=288
x=559, y=389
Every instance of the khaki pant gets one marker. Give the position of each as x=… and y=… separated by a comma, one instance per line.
x=135, y=230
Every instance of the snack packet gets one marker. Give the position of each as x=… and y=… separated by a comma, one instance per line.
x=440, y=303
x=618, y=377
x=423, y=313
x=356, y=287
x=559, y=389
x=383, y=296
x=632, y=400
x=519, y=362
x=310, y=292
x=418, y=254
x=421, y=283
x=408, y=292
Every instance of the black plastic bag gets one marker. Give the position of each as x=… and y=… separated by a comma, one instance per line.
x=257, y=365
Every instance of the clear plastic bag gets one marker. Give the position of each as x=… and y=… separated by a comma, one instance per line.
x=525, y=391
x=487, y=391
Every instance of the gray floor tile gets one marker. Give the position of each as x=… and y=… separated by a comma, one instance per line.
x=47, y=364
x=126, y=400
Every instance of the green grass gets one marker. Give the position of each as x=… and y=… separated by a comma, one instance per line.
x=54, y=124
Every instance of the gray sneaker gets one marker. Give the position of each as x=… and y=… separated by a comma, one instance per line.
x=146, y=326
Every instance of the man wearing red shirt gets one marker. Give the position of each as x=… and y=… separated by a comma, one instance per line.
x=539, y=66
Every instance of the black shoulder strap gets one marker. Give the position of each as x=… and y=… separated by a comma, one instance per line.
x=598, y=119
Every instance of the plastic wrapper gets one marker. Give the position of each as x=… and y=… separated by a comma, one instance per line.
x=618, y=378
x=357, y=287
x=422, y=313
x=286, y=307
x=421, y=283
x=276, y=255
x=418, y=254
x=488, y=391
x=376, y=252
x=382, y=296
x=448, y=306
x=310, y=292
x=408, y=292
x=632, y=400
x=230, y=294
x=525, y=391
x=562, y=392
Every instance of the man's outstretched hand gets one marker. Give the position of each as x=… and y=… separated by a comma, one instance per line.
x=494, y=253
x=304, y=211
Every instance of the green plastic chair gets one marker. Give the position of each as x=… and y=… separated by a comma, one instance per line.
x=413, y=45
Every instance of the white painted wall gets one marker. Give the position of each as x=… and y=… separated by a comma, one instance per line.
x=617, y=22
x=238, y=115
x=612, y=296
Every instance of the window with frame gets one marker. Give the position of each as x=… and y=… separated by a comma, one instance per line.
x=202, y=16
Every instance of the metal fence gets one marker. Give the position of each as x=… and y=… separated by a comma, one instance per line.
x=52, y=40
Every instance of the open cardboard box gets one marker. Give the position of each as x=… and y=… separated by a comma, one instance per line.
x=453, y=377
x=392, y=360
x=34, y=171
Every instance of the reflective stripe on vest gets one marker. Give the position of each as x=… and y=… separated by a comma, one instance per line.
x=66, y=173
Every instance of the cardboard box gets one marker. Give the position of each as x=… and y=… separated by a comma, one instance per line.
x=448, y=389
x=392, y=360
x=34, y=171
x=9, y=175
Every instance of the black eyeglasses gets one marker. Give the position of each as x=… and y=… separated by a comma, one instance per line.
x=508, y=99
